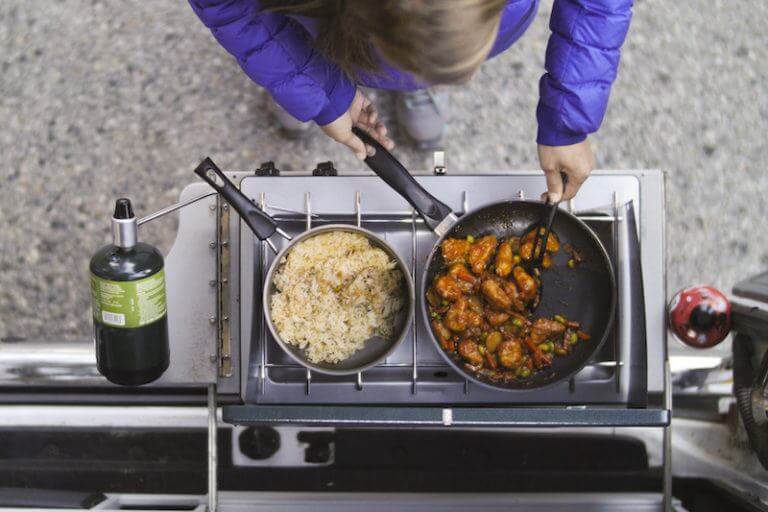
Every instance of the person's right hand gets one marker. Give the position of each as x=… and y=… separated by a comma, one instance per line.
x=363, y=114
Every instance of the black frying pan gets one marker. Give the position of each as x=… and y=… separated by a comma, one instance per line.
x=585, y=294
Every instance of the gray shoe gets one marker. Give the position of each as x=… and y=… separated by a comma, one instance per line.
x=291, y=127
x=423, y=115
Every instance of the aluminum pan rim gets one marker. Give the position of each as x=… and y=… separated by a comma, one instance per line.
x=268, y=287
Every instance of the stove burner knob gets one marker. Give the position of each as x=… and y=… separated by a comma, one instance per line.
x=320, y=447
x=259, y=443
x=700, y=316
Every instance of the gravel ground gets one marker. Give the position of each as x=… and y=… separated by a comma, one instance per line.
x=108, y=98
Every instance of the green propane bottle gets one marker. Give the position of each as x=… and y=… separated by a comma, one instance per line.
x=130, y=320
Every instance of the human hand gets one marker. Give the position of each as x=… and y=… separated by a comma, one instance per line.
x=363, y=114
x=575, y=161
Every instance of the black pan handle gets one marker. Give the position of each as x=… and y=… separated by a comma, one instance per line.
x=396, y=176
x=262, y=225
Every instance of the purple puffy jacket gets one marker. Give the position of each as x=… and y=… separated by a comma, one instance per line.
x=276, y=51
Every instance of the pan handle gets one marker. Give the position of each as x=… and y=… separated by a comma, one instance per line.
x=396, y=176
x=262, y=225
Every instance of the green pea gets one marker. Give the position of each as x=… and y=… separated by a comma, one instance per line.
x=572, y=338
x=560, y=319
x=470, y=239
x=560, y=351
x=517, y=322
x=524, y=372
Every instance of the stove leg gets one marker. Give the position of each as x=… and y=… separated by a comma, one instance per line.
x=212, y=450
x=667, y=444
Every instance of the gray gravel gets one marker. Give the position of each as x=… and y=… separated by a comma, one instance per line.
x=108, y=98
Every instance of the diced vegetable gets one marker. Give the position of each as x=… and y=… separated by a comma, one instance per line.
x=470, y=239
x=571, y=263
x=560, y=319
x=517, y=323
x=560, y=351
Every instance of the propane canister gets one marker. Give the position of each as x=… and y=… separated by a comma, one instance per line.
x=130, y=319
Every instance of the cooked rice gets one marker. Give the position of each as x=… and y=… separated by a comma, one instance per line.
x=334, y=291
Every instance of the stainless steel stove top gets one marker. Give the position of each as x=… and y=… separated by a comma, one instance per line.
x=613, y=204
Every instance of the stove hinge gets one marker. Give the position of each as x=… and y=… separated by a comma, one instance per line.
x=325, y=169
x=267, y=169
x=223, y=290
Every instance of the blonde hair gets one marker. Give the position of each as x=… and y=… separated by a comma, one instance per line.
x=439, y=41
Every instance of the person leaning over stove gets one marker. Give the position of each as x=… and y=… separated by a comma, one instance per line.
x=314, y=55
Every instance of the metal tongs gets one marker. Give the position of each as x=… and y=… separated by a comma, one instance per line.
x=543, y=227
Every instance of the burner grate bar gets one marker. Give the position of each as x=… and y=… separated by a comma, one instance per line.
x=308, y=219
x=359, y=222
x=288, y=366
x=616, y=251
x=414, y=343
x=405, y=217
x=263, y=324
x=465, y=206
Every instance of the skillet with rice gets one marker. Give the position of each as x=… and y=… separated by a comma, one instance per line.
x=333, y=292
x=347, y=315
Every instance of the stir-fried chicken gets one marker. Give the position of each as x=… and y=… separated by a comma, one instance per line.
x=481, y=308
x=481, y=252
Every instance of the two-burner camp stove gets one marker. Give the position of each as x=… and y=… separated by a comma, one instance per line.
x=622, y=385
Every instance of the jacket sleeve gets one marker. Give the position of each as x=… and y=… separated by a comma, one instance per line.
x=581, y=63
x=276, y=52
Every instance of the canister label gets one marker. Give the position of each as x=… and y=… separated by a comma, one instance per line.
x=128, y=303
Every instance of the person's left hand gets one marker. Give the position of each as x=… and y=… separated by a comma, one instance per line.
x=575, y=161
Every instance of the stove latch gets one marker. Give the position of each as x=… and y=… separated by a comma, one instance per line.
x=325, y=169
x=267, y=169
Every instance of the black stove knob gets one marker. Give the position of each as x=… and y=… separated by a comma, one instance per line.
x=259, y=443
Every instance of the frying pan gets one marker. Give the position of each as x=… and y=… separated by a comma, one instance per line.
x=585, y=294
x=375, y=349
